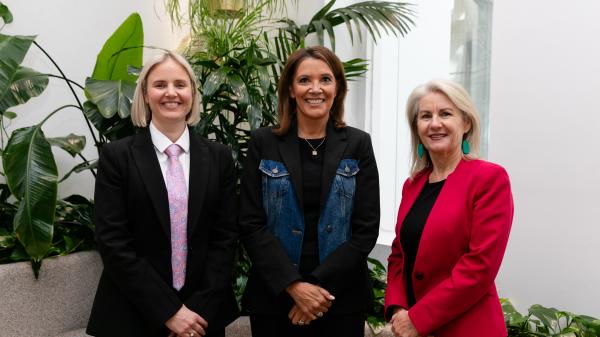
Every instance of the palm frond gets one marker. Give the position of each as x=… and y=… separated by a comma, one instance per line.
x=377, y=17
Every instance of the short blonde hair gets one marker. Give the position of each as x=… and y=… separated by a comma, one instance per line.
x=457, y=95
x=140, y=111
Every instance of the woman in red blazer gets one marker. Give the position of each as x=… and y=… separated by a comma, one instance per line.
x=453, y=224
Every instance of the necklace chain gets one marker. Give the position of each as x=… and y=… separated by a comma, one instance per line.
x=314, y=149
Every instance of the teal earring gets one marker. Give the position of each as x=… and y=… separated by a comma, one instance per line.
x=465, y=147
x=420, y=150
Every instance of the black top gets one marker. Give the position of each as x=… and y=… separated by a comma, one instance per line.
x=412, y=228
x=312, y=166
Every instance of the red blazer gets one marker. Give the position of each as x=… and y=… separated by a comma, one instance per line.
x=459, y=254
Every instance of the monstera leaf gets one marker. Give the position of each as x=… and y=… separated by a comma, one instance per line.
x=32, y=177
x=26, y=83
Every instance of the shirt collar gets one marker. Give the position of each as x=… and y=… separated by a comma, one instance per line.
x=161, y=142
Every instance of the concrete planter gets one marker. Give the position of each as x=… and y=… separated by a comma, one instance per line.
x=58, y=302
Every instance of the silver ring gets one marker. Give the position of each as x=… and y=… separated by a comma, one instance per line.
x=300, y=322
x=191, y=334
x=319, y=314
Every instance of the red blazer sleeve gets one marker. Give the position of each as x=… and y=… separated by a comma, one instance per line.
x=474, y=273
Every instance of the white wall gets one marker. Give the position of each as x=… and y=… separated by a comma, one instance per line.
x=73, y=32
x=544, y=128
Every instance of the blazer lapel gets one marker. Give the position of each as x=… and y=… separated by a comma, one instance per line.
x=334, y=150
x=199, y=175
x=148, y=167
x=410, y=197
x=290, y=153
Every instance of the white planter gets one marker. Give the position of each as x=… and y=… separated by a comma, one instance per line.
x=58, y=302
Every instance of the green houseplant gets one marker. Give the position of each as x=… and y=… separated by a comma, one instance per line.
x=543, y=321
x=35, y=223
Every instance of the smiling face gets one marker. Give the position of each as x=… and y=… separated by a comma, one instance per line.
x=168, y=93
x=314, y=89
x=440, y=125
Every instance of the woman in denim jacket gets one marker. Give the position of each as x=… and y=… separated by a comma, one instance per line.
x=309, y=208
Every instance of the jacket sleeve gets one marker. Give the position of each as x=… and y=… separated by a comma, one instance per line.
x=136, y=278
x=265, y=250
x=395, y=294
x=350, y=257
x=216, y=278
x=474, y=273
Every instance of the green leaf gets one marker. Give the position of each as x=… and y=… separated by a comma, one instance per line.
x=26, y=83
x=111, y=97
x=9, y=114
x=239, y=89
x=122, y=49
x=112, y=128
x=32, y=177
x=72, y=143
x=80, y=168
x=547, y=316
x=355, y=68
x=12, y=51
x=255, y=116
x=5, y=14
x=214, y=81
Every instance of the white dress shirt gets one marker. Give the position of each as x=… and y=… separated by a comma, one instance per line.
x=161, y=142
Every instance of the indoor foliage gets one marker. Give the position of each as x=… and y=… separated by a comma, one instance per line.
x=34, y=222
x=542, y=321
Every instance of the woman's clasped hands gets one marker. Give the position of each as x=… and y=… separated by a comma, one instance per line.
x=311, y=302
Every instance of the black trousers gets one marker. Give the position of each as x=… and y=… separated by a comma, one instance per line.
x=352, y=325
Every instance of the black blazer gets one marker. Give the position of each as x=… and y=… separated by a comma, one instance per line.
x=135, y=296
x=344, y=272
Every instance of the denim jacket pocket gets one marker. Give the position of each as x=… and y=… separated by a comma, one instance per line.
x=345, y=178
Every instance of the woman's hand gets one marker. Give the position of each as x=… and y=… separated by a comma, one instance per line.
x=402, y=325
x=186, y=323
x=311, y=302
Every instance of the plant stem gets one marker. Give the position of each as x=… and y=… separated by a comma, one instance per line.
x=70, y=81
x=64, y=77
x=57, y=110
x=87, y=162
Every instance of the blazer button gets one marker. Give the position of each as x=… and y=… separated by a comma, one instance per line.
x=329, y=229
x=419, y=276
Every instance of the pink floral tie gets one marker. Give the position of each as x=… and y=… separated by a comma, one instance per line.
x=178, y=209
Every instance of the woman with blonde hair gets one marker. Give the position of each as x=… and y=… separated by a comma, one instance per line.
x=165, y=217
x=453, y=224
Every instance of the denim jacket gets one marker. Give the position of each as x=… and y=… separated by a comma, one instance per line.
x=285, y=218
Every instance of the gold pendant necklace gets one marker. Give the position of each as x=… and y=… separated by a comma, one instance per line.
x=314, y=149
